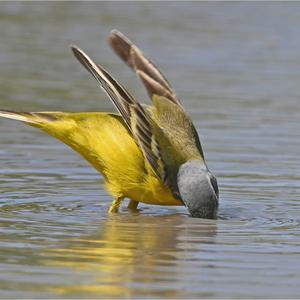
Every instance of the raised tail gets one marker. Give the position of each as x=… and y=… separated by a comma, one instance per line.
x=31, y=118
x=101, y=138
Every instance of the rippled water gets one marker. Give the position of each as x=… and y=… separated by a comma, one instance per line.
x=236, y=66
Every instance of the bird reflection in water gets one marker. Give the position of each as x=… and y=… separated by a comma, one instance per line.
x=133, y=256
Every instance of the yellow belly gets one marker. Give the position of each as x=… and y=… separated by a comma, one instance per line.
x=152, y=192
x=106, y=143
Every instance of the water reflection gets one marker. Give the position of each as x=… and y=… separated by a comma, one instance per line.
x=136, y=255
x=235, y=67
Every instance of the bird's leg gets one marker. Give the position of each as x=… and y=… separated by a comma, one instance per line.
x=132, y=205
x=114, y=208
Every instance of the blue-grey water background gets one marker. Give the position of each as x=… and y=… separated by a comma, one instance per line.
x=236, y=67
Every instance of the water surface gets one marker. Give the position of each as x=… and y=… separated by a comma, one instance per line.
x=236, y=67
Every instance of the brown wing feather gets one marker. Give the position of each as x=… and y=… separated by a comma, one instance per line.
x=119, y=96
x=136, y=118
x=154, y=81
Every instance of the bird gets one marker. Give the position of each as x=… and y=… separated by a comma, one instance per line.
x=145, y=153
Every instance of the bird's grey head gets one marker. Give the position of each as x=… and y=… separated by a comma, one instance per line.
x=198, y=189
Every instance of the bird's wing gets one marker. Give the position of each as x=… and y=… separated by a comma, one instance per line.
x=176, y=135
x=167, y=110
x=135, y=116
x=152, y=78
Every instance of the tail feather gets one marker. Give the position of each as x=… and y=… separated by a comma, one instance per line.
x=34, y=118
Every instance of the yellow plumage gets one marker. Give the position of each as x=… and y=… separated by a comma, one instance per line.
x=139, y=151
x=105, y=142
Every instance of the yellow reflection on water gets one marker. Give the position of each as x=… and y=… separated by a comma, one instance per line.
x=131, y=255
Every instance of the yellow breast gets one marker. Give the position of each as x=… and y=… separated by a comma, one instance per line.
x=106, y=143
x=152, y=191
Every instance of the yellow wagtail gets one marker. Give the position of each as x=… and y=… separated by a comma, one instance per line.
x=150, y=154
